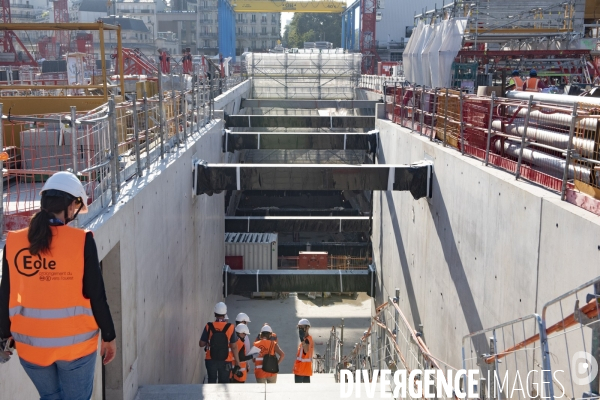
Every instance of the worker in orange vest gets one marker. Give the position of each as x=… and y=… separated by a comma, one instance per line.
x=238, y=375
x=267, y=346
x=220, y=344
x=52, y=299
x=303, y=364
x=533, y=83
x=273, y=334
x=515, y=82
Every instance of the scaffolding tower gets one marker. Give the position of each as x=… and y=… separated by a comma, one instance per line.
x=315, y=75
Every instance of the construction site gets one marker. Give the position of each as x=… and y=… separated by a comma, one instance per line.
x=422, y=213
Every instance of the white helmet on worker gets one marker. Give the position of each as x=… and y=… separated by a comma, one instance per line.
x=303, y=322
x=66, y=182
x=242, y=317
x=266, y=328
x=220, y=308
x=241, y=328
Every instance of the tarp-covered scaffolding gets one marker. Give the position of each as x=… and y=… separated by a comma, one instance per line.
x=431, y=50
x=309, y=76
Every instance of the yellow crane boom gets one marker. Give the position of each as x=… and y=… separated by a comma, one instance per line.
x=316, y=6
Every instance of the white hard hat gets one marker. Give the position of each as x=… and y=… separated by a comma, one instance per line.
x=68, y=183
x=304, y=321
x=242, y=317
x=241, y=328
x=266, y=328
x=221, y=308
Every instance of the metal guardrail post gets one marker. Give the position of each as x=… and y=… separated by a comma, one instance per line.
x=445, y=116
x=342, y=339
x=394, y=104
x=161, y=114
x=422, y=112
x=563, y=190
x=384, y=101
x=146, y=127
x=402, y=105
x=523, y=137
x=185, y=115
x=114, y=157
x=115, y=134
x=462, y=125
x=435, y=96
x=175, y=110
x=414, y=107
x=489, y=132
x=74, y=137
x=2, y=172
x=136, y=135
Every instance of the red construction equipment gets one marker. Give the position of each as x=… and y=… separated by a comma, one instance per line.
x=186, y=62
x=7, y=42
x=135, y=63
x=85, y=43
x=47, y=47
x=165, y=62
x=61, y=15
x=368, y=48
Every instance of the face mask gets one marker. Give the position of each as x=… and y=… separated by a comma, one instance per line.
x=302, y=334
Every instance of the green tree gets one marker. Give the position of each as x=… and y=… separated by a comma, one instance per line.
x=313, y=28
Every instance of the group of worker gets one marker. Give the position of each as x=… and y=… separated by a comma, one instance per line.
x=228, y=350
x=531, y=84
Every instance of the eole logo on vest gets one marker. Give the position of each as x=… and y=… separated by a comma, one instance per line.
x=45, y=268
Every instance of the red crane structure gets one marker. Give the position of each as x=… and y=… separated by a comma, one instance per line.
x=10, y=55
x=368, y=46
x=61, y=15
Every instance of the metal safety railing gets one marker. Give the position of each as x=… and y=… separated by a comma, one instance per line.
x=553, y=355
x=333, y=354
x=391, y=343
x=105, y=147
x=549, y=144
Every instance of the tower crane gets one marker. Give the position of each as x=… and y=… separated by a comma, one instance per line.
x=9, y=54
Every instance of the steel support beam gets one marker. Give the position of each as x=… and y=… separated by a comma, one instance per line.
x=307, y=104
x=298, y=121
x=247, y=281
x=233, y=141
x=210, y=178
x=297, y=224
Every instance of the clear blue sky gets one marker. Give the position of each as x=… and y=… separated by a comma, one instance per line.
x=287, y=17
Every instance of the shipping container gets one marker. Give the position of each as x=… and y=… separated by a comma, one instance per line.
x=259, y=250
x=313, y=260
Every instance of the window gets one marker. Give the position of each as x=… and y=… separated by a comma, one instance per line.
x=274, y=30
x=263, y=18
x=264, y=30
x=395, y=56
x=254, y=44
x=253, y=30
x=273, y=18
x=207, y=43
x=253, y=18
x=264, y=44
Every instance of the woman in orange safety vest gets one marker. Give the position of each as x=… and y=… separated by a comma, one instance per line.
x=52, y=299
x=303, y=362
x=239, y=375
x=267, y=346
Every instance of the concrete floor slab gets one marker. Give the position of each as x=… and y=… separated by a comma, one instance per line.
x=254, y=391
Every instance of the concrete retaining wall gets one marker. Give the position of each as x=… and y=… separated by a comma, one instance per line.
x=162, y=252
x=484, y=250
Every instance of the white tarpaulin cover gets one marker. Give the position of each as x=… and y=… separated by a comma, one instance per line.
x=451, y=44
x=431, y=50
x=407, y=54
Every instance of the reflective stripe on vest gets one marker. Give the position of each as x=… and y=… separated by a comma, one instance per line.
x=45, y=313
x=533, y=88
x=243, y=369
x=49, y=327
x=304, y=359
x=54, y=342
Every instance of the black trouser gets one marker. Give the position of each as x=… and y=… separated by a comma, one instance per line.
x=301, y=379
x=217, y=371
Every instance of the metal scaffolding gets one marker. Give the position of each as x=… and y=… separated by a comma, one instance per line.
x=310, y=76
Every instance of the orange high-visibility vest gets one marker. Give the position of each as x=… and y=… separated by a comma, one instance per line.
x=50, y=318
x=518, y=82
x=532, y=84
x=243, y=365
x=303, y=363
x=219, y=326
x=264, y=345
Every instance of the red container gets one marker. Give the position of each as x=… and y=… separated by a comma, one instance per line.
x=235, y=262
x=312, y=260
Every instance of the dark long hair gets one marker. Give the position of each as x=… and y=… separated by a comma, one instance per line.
x=40, y=234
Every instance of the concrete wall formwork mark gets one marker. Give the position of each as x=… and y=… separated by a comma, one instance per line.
x=484, y=250
x=171, y=253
